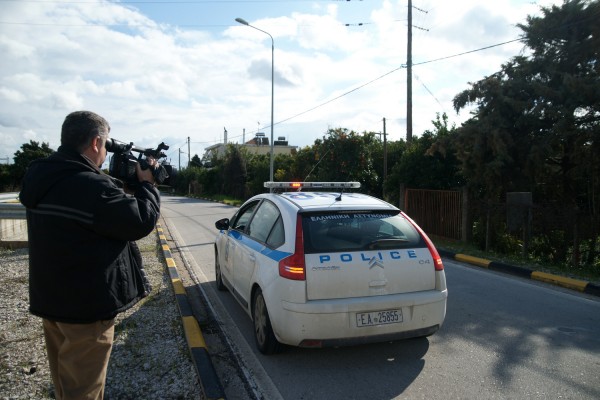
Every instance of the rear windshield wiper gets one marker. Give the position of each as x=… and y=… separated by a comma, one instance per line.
x=386, y=243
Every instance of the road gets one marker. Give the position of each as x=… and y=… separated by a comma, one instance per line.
x=504, y=337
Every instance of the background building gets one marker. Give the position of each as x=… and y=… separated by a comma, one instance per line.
x=259, y=144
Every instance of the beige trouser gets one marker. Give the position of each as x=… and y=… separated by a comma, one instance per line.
x=78, y=356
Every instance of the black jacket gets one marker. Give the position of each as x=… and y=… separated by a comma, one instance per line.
x=80, y=223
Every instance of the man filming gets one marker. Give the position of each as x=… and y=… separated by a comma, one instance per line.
x=83, y=269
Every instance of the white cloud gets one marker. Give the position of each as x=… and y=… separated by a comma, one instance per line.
x=155, y=82
x=12, y=95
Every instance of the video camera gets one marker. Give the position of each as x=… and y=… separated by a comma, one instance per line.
x=122, y=162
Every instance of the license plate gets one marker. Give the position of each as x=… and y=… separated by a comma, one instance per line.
x=378, y=318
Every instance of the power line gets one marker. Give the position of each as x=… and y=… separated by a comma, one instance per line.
x=341, y=95
x=375, y=80
x=468, y=52
x=429, y=91
x=389, y=73
x=166, y=1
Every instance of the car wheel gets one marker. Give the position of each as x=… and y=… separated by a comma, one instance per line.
x=218, y=274
x=263, y=331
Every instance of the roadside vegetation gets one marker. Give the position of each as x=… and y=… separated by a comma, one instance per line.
x=535, y=128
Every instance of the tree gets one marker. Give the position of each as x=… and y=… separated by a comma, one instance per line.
x=258, y=171
x=234, y=172
x=537, y=121
x=29, y=152
x=428, y=162
x=6, y=182
x=389, y=186
x=195, y=161
x=566, y=46
x=305, y=162
x=344, y=155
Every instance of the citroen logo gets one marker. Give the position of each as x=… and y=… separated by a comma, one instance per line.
x=374, y=262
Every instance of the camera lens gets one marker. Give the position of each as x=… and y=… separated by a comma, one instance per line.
x=114, y=146
x=109, y=145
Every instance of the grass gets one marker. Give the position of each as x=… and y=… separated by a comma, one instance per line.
x=227, y=200
x=230, y=201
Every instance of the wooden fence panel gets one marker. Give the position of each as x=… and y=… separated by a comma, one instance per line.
x=438, y=212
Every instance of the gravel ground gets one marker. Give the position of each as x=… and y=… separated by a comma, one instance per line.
x=150, y=357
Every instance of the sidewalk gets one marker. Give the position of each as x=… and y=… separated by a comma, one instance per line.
x=150, y=358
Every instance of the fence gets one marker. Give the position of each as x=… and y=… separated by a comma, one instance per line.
x=13, y=225
x=438, y=212
x=548, y=231
x=551, y=231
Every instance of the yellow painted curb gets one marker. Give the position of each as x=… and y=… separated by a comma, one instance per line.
x=178, y=286
x=473, y=260
x=192, y=332
x=569, y=283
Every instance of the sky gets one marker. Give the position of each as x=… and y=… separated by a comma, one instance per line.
x=166, y=71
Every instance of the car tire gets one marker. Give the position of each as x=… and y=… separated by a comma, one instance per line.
x=218, y=274
x=263, y=331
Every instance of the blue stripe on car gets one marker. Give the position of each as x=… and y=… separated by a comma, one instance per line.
x=258, y=247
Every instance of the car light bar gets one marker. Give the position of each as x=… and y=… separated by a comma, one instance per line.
x=319, y=185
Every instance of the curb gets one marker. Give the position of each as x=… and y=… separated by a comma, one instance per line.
x=14, y=244
x=557, y=280
x=209, y=381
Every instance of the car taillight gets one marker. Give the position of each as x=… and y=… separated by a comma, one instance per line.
x=437, y=260
x=293, y=267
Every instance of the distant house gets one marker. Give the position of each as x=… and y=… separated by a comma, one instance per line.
x=259, y=144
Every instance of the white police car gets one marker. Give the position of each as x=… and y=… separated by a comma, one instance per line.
x=317, y=269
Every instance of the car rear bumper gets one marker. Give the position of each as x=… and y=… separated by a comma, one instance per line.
x=386, y=337
x=334, y=322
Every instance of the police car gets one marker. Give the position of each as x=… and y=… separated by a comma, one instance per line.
x=315, y=269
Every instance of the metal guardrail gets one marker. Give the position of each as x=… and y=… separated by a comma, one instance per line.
x=12, y=211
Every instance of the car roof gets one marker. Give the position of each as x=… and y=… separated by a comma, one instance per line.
x=332, y=201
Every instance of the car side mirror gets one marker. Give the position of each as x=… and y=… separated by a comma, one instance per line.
x=222, y=224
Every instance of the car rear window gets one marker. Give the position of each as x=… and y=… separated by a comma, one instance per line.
x=356, y=231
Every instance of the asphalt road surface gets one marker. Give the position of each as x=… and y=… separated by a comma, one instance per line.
x=503, y=338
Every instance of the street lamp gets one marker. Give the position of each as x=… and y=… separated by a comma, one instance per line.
x=244, y=22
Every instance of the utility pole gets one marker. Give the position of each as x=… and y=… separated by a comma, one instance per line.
x=189, y=151
x=384, y=152
x=409, y=77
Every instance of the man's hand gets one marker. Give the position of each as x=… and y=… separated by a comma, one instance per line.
x=145, y=174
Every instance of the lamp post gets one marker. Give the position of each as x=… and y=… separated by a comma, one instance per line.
x=244, y=22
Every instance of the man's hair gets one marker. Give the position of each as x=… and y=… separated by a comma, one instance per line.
x=80, y=127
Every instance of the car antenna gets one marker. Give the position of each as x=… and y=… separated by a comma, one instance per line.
x=318, y=162
x=339, y=198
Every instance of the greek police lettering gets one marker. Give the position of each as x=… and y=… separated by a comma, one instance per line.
x=329, y=217
x=373, y=216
